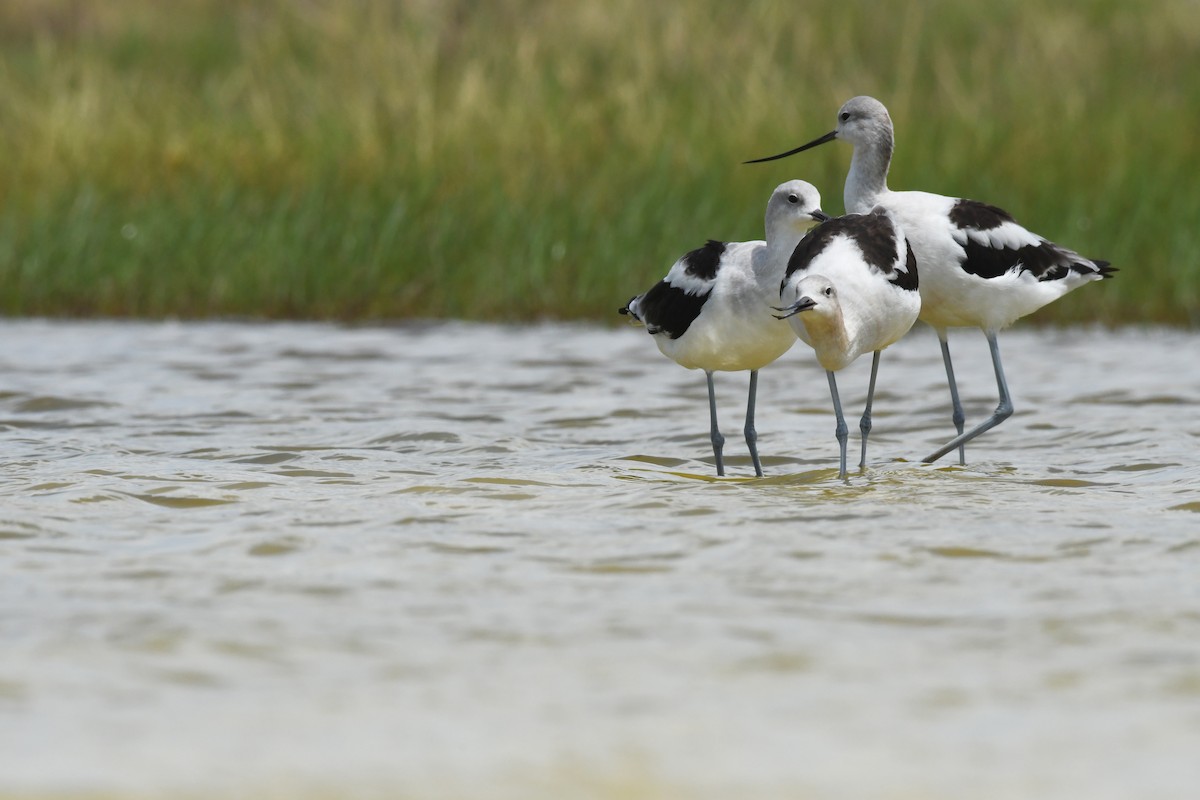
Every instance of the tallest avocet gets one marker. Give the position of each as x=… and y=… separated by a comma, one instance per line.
x=979, y=267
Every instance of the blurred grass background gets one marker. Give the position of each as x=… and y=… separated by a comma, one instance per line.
x=522, y=159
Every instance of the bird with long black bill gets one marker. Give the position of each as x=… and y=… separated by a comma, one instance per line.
x=979, y=266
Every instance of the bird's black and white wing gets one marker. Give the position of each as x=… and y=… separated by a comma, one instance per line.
x=675, y=301
x=995, y=244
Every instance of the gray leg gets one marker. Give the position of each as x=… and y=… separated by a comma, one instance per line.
x=718, y=441
x=751, y=434
x=1003, y=411
x=958, y=417
x=841, y=432
x=864, y=424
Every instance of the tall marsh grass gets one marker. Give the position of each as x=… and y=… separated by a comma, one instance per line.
x=516, y=159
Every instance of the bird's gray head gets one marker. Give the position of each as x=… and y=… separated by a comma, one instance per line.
x=796, y=204
x=862, y=121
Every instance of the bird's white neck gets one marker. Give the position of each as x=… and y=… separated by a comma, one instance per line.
x=781, y=245
x=781, y=241
x=867, y=178
x=829, y=339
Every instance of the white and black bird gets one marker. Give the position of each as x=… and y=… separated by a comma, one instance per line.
x=979, y=267
x=851, y=287
x=713, y=309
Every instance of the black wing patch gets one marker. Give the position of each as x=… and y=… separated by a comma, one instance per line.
x=669, y=309
x=873, y=233
x=1045, y=260
x=907, y=277
x=977, y=215
x=703, y=261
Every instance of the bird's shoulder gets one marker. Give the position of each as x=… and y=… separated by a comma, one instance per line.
x=875, y=234
x=700, y=266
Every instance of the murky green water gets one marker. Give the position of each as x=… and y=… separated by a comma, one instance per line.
x=478, y=561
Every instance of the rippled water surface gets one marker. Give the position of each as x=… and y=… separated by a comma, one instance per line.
x=477, y=561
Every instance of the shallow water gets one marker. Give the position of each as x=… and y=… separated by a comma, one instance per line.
x=463, y=560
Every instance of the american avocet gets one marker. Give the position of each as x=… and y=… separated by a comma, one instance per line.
x=851, y=288
x=713, y=310
x=979, y=267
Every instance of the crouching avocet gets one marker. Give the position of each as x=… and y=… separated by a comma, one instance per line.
x=979, y=267
x=851, y=288
x=713, y=310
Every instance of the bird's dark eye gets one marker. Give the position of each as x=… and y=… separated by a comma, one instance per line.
x=793, y=199
x=844, y=116
x=829, y=291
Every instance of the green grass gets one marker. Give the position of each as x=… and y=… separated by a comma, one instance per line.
x=517, y=160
